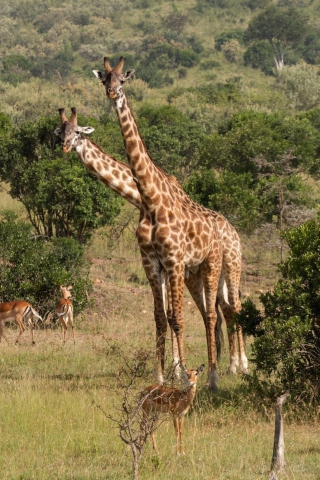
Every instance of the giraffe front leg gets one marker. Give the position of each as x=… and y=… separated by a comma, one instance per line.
x=167, y=299
x=211, y=272
x=176, y=282
x=153, y=271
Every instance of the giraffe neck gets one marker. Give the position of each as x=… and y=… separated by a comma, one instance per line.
x=143, y=169
x=114, y=174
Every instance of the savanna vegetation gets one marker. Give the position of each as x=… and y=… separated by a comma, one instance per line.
x=226, y=94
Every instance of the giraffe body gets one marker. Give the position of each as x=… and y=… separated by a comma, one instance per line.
x=119, y=178
x=174, y=234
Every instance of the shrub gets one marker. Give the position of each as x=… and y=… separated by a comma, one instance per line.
x=287, y=353
x=32, y=268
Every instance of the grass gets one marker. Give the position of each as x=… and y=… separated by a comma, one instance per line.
x=51, y=428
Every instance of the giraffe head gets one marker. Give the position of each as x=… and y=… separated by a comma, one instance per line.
x=70, y=132
x=113, y=78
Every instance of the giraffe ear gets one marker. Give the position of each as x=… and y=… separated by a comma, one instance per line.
x=127, y=75
x=57, y=131
x=87, y=130
x=97, y=74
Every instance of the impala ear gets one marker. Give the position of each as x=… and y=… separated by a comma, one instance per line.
x=57, y=131
x=69, y=287
x=97, y=74
x=87, y=130
x=200, y=369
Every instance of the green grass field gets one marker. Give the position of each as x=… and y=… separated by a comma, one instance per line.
x=55, y=399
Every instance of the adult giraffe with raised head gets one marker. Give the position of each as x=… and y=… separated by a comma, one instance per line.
x=179, y=236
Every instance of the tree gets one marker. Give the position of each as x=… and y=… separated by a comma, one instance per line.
x=248, y=135
x=32, y=269
x=230, y=194
x=286, y=354
x=173, y=140
x=301, y=84
x=282, y=27
x=61, y=197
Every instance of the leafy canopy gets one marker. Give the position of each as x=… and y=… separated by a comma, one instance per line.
x=32, y=269
x=61, y=197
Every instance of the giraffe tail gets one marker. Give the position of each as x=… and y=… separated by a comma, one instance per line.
x=218, y=333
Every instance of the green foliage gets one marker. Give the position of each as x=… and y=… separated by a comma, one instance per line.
x=256, y=172
x=32, y=269
x=310, y=49
x=61, y=197
x=230, y=194
x=16, y=69
x=301, y=84
x=224, y=37
x=173, y=140
x=165, y=57
x=260, y=55
x=249, y=135
x=287, y=354
x=282, y=27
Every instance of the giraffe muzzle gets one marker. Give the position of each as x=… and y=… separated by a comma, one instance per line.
x=66, y=149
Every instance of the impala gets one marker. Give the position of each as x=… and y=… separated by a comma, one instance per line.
x=162, y=399
x=18, y=311
x=64, y=310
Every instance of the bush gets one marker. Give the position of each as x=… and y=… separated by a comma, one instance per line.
x=260, y=55
x=232, y=51
x=227, y=36
x=61, y=197
x=287, y=354
x=33, y=268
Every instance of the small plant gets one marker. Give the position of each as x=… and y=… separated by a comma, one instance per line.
x=134, y=426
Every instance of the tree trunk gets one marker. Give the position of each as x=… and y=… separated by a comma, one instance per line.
x=278, y=463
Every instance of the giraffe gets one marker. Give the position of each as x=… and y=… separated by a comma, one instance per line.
x=117, y=176
x=181, y=237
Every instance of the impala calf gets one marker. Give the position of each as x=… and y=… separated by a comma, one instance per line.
x=161, y=399
x=64, y=310
x=18, y=312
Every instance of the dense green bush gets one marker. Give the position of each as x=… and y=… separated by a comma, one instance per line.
x=61, y=197
x=163, y=57
x=32, y=269
x=174, y=141
x=286, y=354
x=224, y=37
x=260, y=55
x=231, y=194
x=249, y=134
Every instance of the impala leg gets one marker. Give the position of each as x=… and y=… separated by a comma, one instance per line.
x=18, y=321
x=72, y=328
x=181, y=427
x=154, y=443
x=63, y=329
x=32, y=333
x=28, y=319
x=1, y=332
x=178, y=427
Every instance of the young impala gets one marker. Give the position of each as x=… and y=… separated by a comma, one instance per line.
x=162, y=399
x=18, y=312
x=64, y=310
